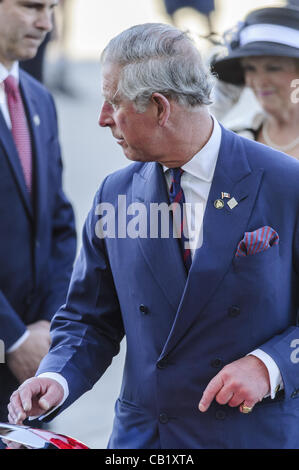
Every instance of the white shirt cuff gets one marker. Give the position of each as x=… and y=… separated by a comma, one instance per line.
x=61, y=380
x=18, y=343
x=276, y=382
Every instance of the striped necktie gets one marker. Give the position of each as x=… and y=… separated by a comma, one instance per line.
x=19, y=127
x=176, y=195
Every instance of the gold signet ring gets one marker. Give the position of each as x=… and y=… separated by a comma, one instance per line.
x=246, y=409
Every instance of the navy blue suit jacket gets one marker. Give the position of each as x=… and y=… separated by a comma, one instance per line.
x=38, y=240
x=181, y=330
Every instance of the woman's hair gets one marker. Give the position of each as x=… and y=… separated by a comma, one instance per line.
x=159, y=58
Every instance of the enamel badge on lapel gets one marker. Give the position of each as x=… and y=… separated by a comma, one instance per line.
x=219, y=203
x=36, y=119
x=232, y=203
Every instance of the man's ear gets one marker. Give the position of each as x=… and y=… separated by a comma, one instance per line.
x=163, y=108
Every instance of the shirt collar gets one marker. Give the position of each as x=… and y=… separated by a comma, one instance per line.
x=202, y=165
x=14, y=71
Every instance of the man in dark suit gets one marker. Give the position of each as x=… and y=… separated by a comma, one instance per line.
x=38, y=240
x=210, y=324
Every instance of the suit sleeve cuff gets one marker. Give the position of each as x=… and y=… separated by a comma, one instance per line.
x=18, y=343
x=276, y=382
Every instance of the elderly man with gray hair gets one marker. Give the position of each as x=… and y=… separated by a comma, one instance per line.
x=210, y=326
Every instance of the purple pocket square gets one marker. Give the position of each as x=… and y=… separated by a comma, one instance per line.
x=257, y=241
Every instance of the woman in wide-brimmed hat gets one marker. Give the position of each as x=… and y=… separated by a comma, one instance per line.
x=263, y=53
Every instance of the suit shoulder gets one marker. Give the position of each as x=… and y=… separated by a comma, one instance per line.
x=34, y=85
x=32, y=82
x=125, y=175
x=119, y=182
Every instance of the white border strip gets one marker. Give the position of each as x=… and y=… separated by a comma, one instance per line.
x=270, y=33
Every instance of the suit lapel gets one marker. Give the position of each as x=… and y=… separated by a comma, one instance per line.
x=222, y=230
x=162, y=255
x=12, y=156
x=40, y=165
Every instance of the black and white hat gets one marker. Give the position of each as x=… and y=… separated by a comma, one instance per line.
x=265, y=32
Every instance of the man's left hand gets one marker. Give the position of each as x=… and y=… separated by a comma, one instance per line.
x=242, y=382
x=24, y=361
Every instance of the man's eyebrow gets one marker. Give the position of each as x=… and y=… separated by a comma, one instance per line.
x=38, y=3
x=111, y=98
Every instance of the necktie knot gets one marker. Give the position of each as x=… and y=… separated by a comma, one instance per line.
x=175, y=188
x=176, y=174
x=11, y=86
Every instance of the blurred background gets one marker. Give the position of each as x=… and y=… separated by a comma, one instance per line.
x=69, y=67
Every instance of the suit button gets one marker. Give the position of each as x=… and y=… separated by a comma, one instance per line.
x=216, y=363
x=143, y=309
x=163, y=418
x=234, y=311
x=295, y=393
x=220, y=414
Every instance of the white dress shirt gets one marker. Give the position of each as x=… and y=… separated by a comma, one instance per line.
x=196, y=183
x=14, y=71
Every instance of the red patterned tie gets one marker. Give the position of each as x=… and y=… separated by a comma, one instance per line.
x=19, y=128
x=176, y=194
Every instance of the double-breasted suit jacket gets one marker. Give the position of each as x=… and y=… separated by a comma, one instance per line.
x=182, y=329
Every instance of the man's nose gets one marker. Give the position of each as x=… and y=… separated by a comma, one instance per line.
x=45, y=20
x=106, y=118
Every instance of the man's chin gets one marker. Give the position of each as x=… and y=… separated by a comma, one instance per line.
x=130, y=155
x=29, y=53
x=136, y=157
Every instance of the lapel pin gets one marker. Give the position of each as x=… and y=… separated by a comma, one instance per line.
x=232, y=203
x=36, y=119
x=219, y=204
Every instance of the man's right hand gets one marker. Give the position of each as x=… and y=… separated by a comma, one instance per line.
x=34, y=397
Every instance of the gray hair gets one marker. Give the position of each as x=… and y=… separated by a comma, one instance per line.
x=159, y=58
